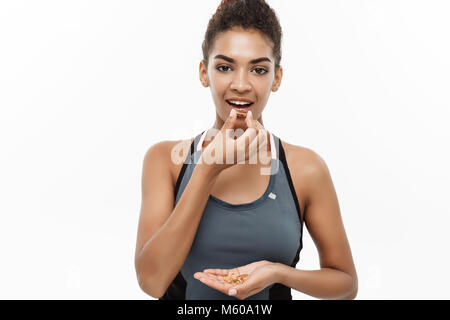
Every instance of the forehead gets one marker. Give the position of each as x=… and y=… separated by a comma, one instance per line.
x=242, y=44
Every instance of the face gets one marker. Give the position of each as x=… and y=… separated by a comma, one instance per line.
x=235, y=71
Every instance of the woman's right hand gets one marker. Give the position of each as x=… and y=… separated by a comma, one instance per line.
x=224, y=151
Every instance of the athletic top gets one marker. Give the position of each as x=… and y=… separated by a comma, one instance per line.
x=234, y=235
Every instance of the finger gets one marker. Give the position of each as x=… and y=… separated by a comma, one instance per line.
x=258, y=125
x=249, y=120
x=263, y=135
x=245, y=289
x=250, y=133
x=253, y=151
x=210, y=279
x=230, y=121
x=210, y=276
x=261, y=130
x=216, y=271
x=255, y=123
x=263, y=138
x=236, y=290
x=209, y=270
x=258, y=145
x=251, y=124
x=197, y=275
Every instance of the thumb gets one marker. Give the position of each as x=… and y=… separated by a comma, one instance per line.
x=232, y=292
x=229, y=122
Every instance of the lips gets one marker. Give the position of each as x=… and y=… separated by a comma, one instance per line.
x=236, y=106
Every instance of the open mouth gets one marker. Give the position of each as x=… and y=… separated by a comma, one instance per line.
x=239, y=105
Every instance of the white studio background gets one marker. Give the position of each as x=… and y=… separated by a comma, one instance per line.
x=86, y=87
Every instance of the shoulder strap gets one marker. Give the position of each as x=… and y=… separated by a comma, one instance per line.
x=288, y=176
x=294, y=195
x=280, y=291
x=186, y=162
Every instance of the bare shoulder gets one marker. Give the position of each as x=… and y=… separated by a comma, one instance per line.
x=171, y=152
x=306, y=160
x=308, y=170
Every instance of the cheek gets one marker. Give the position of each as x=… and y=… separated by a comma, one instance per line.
x=220, y=83
x=263, y=89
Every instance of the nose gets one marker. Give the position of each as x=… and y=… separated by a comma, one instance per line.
x=240, y=82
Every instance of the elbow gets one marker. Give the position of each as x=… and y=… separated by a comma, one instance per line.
x=149, y=287
x=353, y=295
x=350, y=289
x=354, y=289
x=147, y=280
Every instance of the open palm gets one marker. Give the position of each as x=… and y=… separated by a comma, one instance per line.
x=259, y=275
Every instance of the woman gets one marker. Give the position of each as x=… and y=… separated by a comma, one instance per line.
x=205, y=224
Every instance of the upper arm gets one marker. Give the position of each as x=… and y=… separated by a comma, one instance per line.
x=157, y=193
x=323, y=218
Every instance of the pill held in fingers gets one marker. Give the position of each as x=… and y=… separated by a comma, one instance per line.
x=241, y=113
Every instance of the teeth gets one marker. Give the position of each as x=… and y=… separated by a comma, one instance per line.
x=241, y=103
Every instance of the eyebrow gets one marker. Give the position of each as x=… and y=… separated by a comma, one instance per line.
x=231, y=60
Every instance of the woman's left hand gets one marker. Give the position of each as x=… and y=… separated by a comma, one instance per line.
x=260, y=275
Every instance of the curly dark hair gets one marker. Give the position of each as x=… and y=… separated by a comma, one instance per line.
x=248, y=14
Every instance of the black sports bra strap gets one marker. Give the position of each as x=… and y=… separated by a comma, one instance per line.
x=183, y=168
x=291, y=185
x=294, y=195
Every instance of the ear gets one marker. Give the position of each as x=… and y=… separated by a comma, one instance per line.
x=277, y=80
x=203, y=73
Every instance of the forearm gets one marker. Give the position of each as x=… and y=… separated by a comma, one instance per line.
x=163, y=255
x=326, y=283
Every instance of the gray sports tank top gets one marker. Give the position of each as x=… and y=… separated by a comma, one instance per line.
x=233, y=235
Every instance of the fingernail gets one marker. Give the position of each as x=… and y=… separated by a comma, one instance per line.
x=232, y=292
x=196, y=276
x=232, y=113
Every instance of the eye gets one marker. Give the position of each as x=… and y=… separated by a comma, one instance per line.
x=261, y=69
x=218, y=68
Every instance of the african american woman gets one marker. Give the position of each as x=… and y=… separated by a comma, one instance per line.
x=220, y=225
